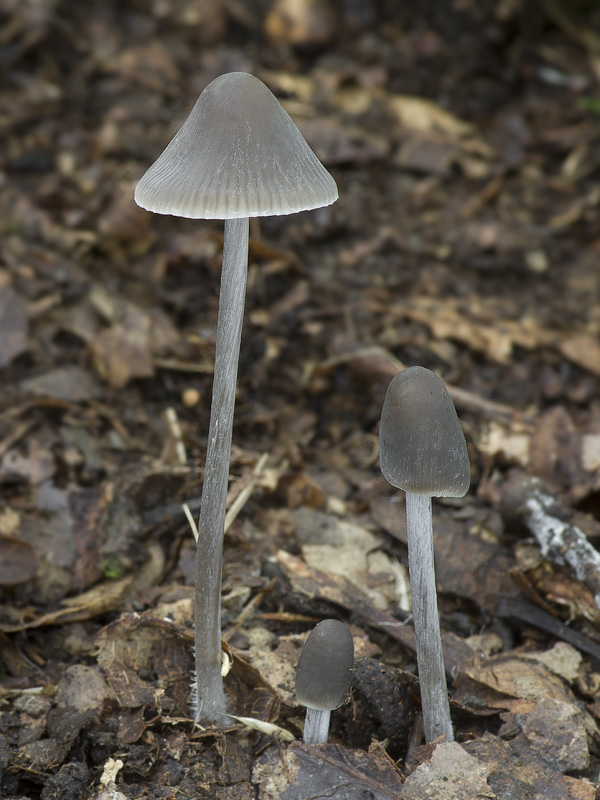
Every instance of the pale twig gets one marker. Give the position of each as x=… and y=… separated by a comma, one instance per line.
x=175, y=431
x=561, y=541
x=243, y=497
x=239, y=502
x=191, y=520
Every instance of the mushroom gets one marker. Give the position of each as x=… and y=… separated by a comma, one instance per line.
x=423, y=451
x=236, y=156
x=323, y=676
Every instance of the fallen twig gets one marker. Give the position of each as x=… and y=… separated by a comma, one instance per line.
x=560, y=541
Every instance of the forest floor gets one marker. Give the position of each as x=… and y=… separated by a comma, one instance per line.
x=465, y=140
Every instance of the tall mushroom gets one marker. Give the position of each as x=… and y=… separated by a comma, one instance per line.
x=423, y=451
x=237, y=155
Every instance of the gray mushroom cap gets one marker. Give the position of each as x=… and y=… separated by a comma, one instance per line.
x=238, y=154
x=422, y=446
x=323, y=672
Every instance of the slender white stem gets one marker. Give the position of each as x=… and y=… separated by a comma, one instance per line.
x=209, y=555
x=316, y=726
x=432, y=678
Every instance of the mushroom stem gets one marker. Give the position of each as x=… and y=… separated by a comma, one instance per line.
x=432, y=678
x=211, y=699
x=316, y=726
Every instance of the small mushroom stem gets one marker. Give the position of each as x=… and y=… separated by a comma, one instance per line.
x=316, y=726
x=432, y=678
x=209, y=555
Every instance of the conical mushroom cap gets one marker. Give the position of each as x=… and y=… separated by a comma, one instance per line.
x=422, y=448
x=323, y=672
x=238, y=154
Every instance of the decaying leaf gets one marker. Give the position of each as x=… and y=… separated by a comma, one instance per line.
x=141, y=643
x=340, y=773
x=517, y=770
x=334, y=546
x=451, y=774
x=123, y=351
x=108, y=596
x=556, y=731
x=562, y=659
x=84, y=689
x=70, y=383
x=18, y=562
x=13, y=325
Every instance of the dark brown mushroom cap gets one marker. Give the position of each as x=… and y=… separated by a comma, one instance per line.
x=323, y=672
x=238, y=154
x=422, y=446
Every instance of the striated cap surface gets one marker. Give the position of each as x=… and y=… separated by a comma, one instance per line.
x=422, y=448
x=238, y=154
x=323, y=672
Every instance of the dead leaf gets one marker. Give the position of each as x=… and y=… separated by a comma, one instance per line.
x=18, y=561
x=124, y=350
x=562, y=659
x=450, y=319
x=254, y=695
x=427, y=153
x=342, y=548
x=71, y=384
x=310, y=583
x=108, y=596
x=35, y=463
x=564, y=787
x=419, y=114
x=13, y=325
x=555, y=730
x=132, y=721
x=335, y=143
x=584, y=350
x=513, y=765
x=298, y=489
x=451, y=774
x=144, y=644
x=507, y=442
x=553, y=448
x=278, y=664
x=301, y=23
x=508, y=674
x=341, y=774
x=151, y=65
x=83, y=688
x=466, y=564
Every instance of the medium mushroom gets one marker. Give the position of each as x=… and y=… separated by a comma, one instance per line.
x=323, y=676
x=423, y=451
x=237, y=155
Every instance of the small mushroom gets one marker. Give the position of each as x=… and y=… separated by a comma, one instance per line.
x=237, y=155
x=423, y=451
x=323, y=676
